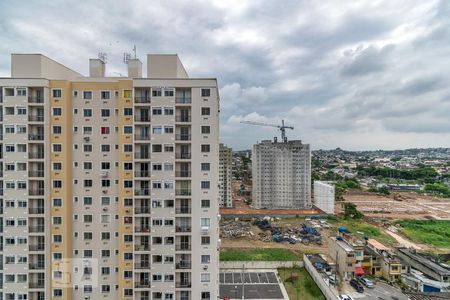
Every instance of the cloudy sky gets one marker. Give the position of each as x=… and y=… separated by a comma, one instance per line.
x=352, y=74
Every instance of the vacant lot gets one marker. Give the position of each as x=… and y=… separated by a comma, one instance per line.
x=303, y=287
x=256, y=254
x=431, y=232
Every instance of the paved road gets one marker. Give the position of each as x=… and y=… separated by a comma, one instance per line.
x=382, y=291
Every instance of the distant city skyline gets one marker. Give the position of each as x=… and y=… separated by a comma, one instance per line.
x=359, y=75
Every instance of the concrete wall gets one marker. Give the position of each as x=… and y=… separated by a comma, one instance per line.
x=326, y=290
x=260, y=264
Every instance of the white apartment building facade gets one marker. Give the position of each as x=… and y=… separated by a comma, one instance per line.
x=281, y=175
x=225, y=176
x=109, y=185
x=324, y=196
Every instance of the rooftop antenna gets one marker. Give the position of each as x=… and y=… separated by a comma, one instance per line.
x=103, y=57
x=135, y=51
x=126, y=57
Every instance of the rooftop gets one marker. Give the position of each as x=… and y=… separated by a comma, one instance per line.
x=424, y=261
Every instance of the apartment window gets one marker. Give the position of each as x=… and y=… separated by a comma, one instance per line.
x=157, y=129
x=21, y=91
x=21, y=111
x=57, y=293
x=127, y=111
x=9, y=110
x=106, y=236
x=206, y=240
x=87, y=130
x=57, y=184
x=168, y=92
x=127, y=184
x=127, y=129
x=9, y=129
x=105, y=113
x=87, y=236
x=106, y=165
x=206, y=148
x=57, y=238
x=157, y=184
x=168, y=129
x=128, y=292
x=168, y=167
x=57, y=202
x=106, y=288
x=156, y=92
x=105, y=271
x=21, y=148
x=56, y=148
x=56, y=93
x=127, y=238
x=156, y=148
x=57, y=129
x=87, y=112
x=57, y=256
x=87, y=147
x=127, y=166
x=205, y=166
x=127, y=148
x=168, y=111
x=57, y=111
x=57, y=166
x=104, y=130
x=10, y=167
x=206, y=111
x=21, y=129
x=105, y=200
x=87, y=182
x=127, y=93
x=205, y=277
x=106, y=253
x=157, y=167
x=87, y=200
x=206, y=129
x=206, y=92
x=128, y=202
x=205, y=222
x=168, y=185
x=106, y=148
x=205, y=185
x=206, y=296
x=87, y=218
x=105, y=219
x=105, y=95
x=157, y=111
x=87, y=165
x=106, y=183
x=87, y=95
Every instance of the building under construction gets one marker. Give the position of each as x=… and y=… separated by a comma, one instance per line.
x=281, y=174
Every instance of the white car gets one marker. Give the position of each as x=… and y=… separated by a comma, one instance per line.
x=344, y=297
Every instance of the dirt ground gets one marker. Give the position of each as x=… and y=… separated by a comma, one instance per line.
x=398, y=205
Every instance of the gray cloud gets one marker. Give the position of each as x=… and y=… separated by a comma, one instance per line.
x=355, y=74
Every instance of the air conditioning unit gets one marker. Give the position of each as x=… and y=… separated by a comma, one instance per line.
x=104, y=174
x=205, y=267
x=205, y=230
x=105, y=209
x=86, y=138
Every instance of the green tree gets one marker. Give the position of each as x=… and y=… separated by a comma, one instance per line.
x=351, y=212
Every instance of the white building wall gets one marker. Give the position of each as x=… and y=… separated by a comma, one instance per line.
x=324, y=196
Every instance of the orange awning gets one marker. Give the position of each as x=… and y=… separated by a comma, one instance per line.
x=359, y=271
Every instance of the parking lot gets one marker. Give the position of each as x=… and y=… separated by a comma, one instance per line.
x=254, y=285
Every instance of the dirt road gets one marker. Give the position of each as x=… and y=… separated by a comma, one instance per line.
x=404, y=242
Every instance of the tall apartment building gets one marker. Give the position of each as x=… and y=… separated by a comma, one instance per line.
x=225, y=176
x=109, y=185
x=281, y=175
x=324, y=196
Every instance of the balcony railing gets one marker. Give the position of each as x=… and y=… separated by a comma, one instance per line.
x=183, y=229
x=183, y=155
x=142, y=210
x=183, y=284
x=36, y=266
x=183, y=247
x=36, y=192
x=36, y=155
x=183, y=265
x=182, y=118
x=36, y=118
x=142, y=173
x=38, y=247
x=142, y=99
x=182, y=173
x=141, y=155
x=183, y=192
x=183, y=210
x=183, y=100
x=35, y=229
x=142, y=118
x=36, y=173
x=142, y=284
x=142, y=229
x=35, y=210
x=182, y=137
x=142, y=247
x=35, y=99
x=142, y=192
x=142, y=137
x=36, y=137
x=142, y=265
x=36, y=285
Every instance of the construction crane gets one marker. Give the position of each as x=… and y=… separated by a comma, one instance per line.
x=282, y=127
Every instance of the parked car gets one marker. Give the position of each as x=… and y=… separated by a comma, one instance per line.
x=332, y=280
x=344, y=297
x=368, y=283
x=357, y=286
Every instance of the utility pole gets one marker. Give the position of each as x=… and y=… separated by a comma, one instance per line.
x=243, y=281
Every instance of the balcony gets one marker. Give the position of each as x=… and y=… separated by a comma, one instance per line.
x=142, y=229
x=39, y=247
x=36, y=229
x=181, y=155
x=142, y=118
x=183, y=100
x=141, y=155
x=183, y=192
x=36, y=285
x=142, y=99
x=36, y=192
x=182, y=137
x=183, y=229
x=142, y=247
x=183, y=247
x=141, y=173
x=182, y=118
x=182, y=173
x=141, y=137
x=36, y=118
x=142, y=284
x=183, y=265
x=183, y=210
x=36, y=155
x=142, y=192
x=36, y=266
x=36, y=99
x=142, y=265
x=35, y=210
x=36, y=137
x=36, y=173
x=183, y=284
x=142, y=210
